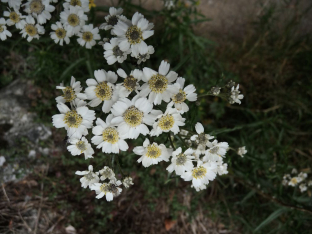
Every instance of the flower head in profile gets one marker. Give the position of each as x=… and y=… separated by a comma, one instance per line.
x=113, y=18
x=241, y=151
x=70, y=93
x=235, y=96
x=152, y=154
x=110, y=190
x=31, y=29
x=73, y=19
x=158, y=85
x=4, y=33
x=14, y=18
x=130, y=83
x=108, y=137
x=179, y=97
x=133, y=116
x=60, y=34
x=181, y=162
x=201, y=139
x=80, y=146
x=89, y=177
x=102, y=89
x=88, y=35
x=113, y=53
x=107, y=173
x=127, y=182
x=40, y=9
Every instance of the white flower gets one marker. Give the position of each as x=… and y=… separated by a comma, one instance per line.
x=2, y=160
x=202, y=139
x=302, y=175
x=222, y=168
x=88, y=35
x=235, y=96
x=188, y=93
x=169, y=4
x=40, y=9
x=70, y=93
x=73, y=19
x=158, y=85
x=76, y=121
x=31, y=29
x=132, y=34
x=102, y=89
x=108, y=137
x=15, y=17
x=152, y=153
x=83, y=4
x=4, y=33
x=201, y=174
x=294, y=181
x=113, y=53
x=181, y=162
x=60, y=35
x=303, y=187
x=131, y=82
x=110, y=190
x=241, y=151
x=133, y=116
x=113, y=18
x=79, y=146
x=143, y=57
x=216, y=151
x=310, y=183
x=89, y=177
x=13, y=3
x=107, y=173
x=127, y=182
x=294, y=171
x=171, y=120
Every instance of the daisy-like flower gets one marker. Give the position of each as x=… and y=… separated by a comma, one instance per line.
x=302, y=175
x=303, y=187
x=179, y=97
x=216, y=151
x=108, y=137
x=102, y=89
x=89, y=177
x=241, y=151
x=60, y=34
x=235, y=95
x=70, y=93
x=76, y=121
x=201, y=174
x=83, y=4
x=158, y=85
x=113, y=18
x=40, y=9
x=88, y=35
x=110, y=190
x=171, y=120
x=294, y=181
x=15, y=18
x=31, y=29
x=132, y=34
x=131, y=82
x=127, y=182
x=181, y=162
x=202, y=139
x=152, y=153
x=133, y=116
x=16, y=4
x=107, y=173
x=79, y=146
x=143, y=57
x=4, y=33
x=113, y=52
x=73, y=19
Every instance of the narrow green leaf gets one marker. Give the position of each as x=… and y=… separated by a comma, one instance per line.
x=272, y=217
x=71, y=67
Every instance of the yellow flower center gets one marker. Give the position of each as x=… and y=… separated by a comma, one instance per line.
x=60, y=33
x=133, y=116
x=134, y=35
x=36, y=6
x=73, y=20
x=1, y=28
x=73, y=119
x=105, y=188
x=294, y=181
x=69, y=94
x=130, y=83
x=31, y=30
x=153, y=151
x=87, y=36
x=103, y=91
x=14, y=17
x=158, y=83
x=81, y=145
x=110, y=135
x=199, y=172
x=75, y=3
x=181, y=159
x=166, y=122
x=179, y=97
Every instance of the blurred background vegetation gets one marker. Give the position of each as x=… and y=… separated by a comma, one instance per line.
x=274, y=122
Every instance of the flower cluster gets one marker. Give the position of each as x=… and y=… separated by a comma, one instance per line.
x=294, y=179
